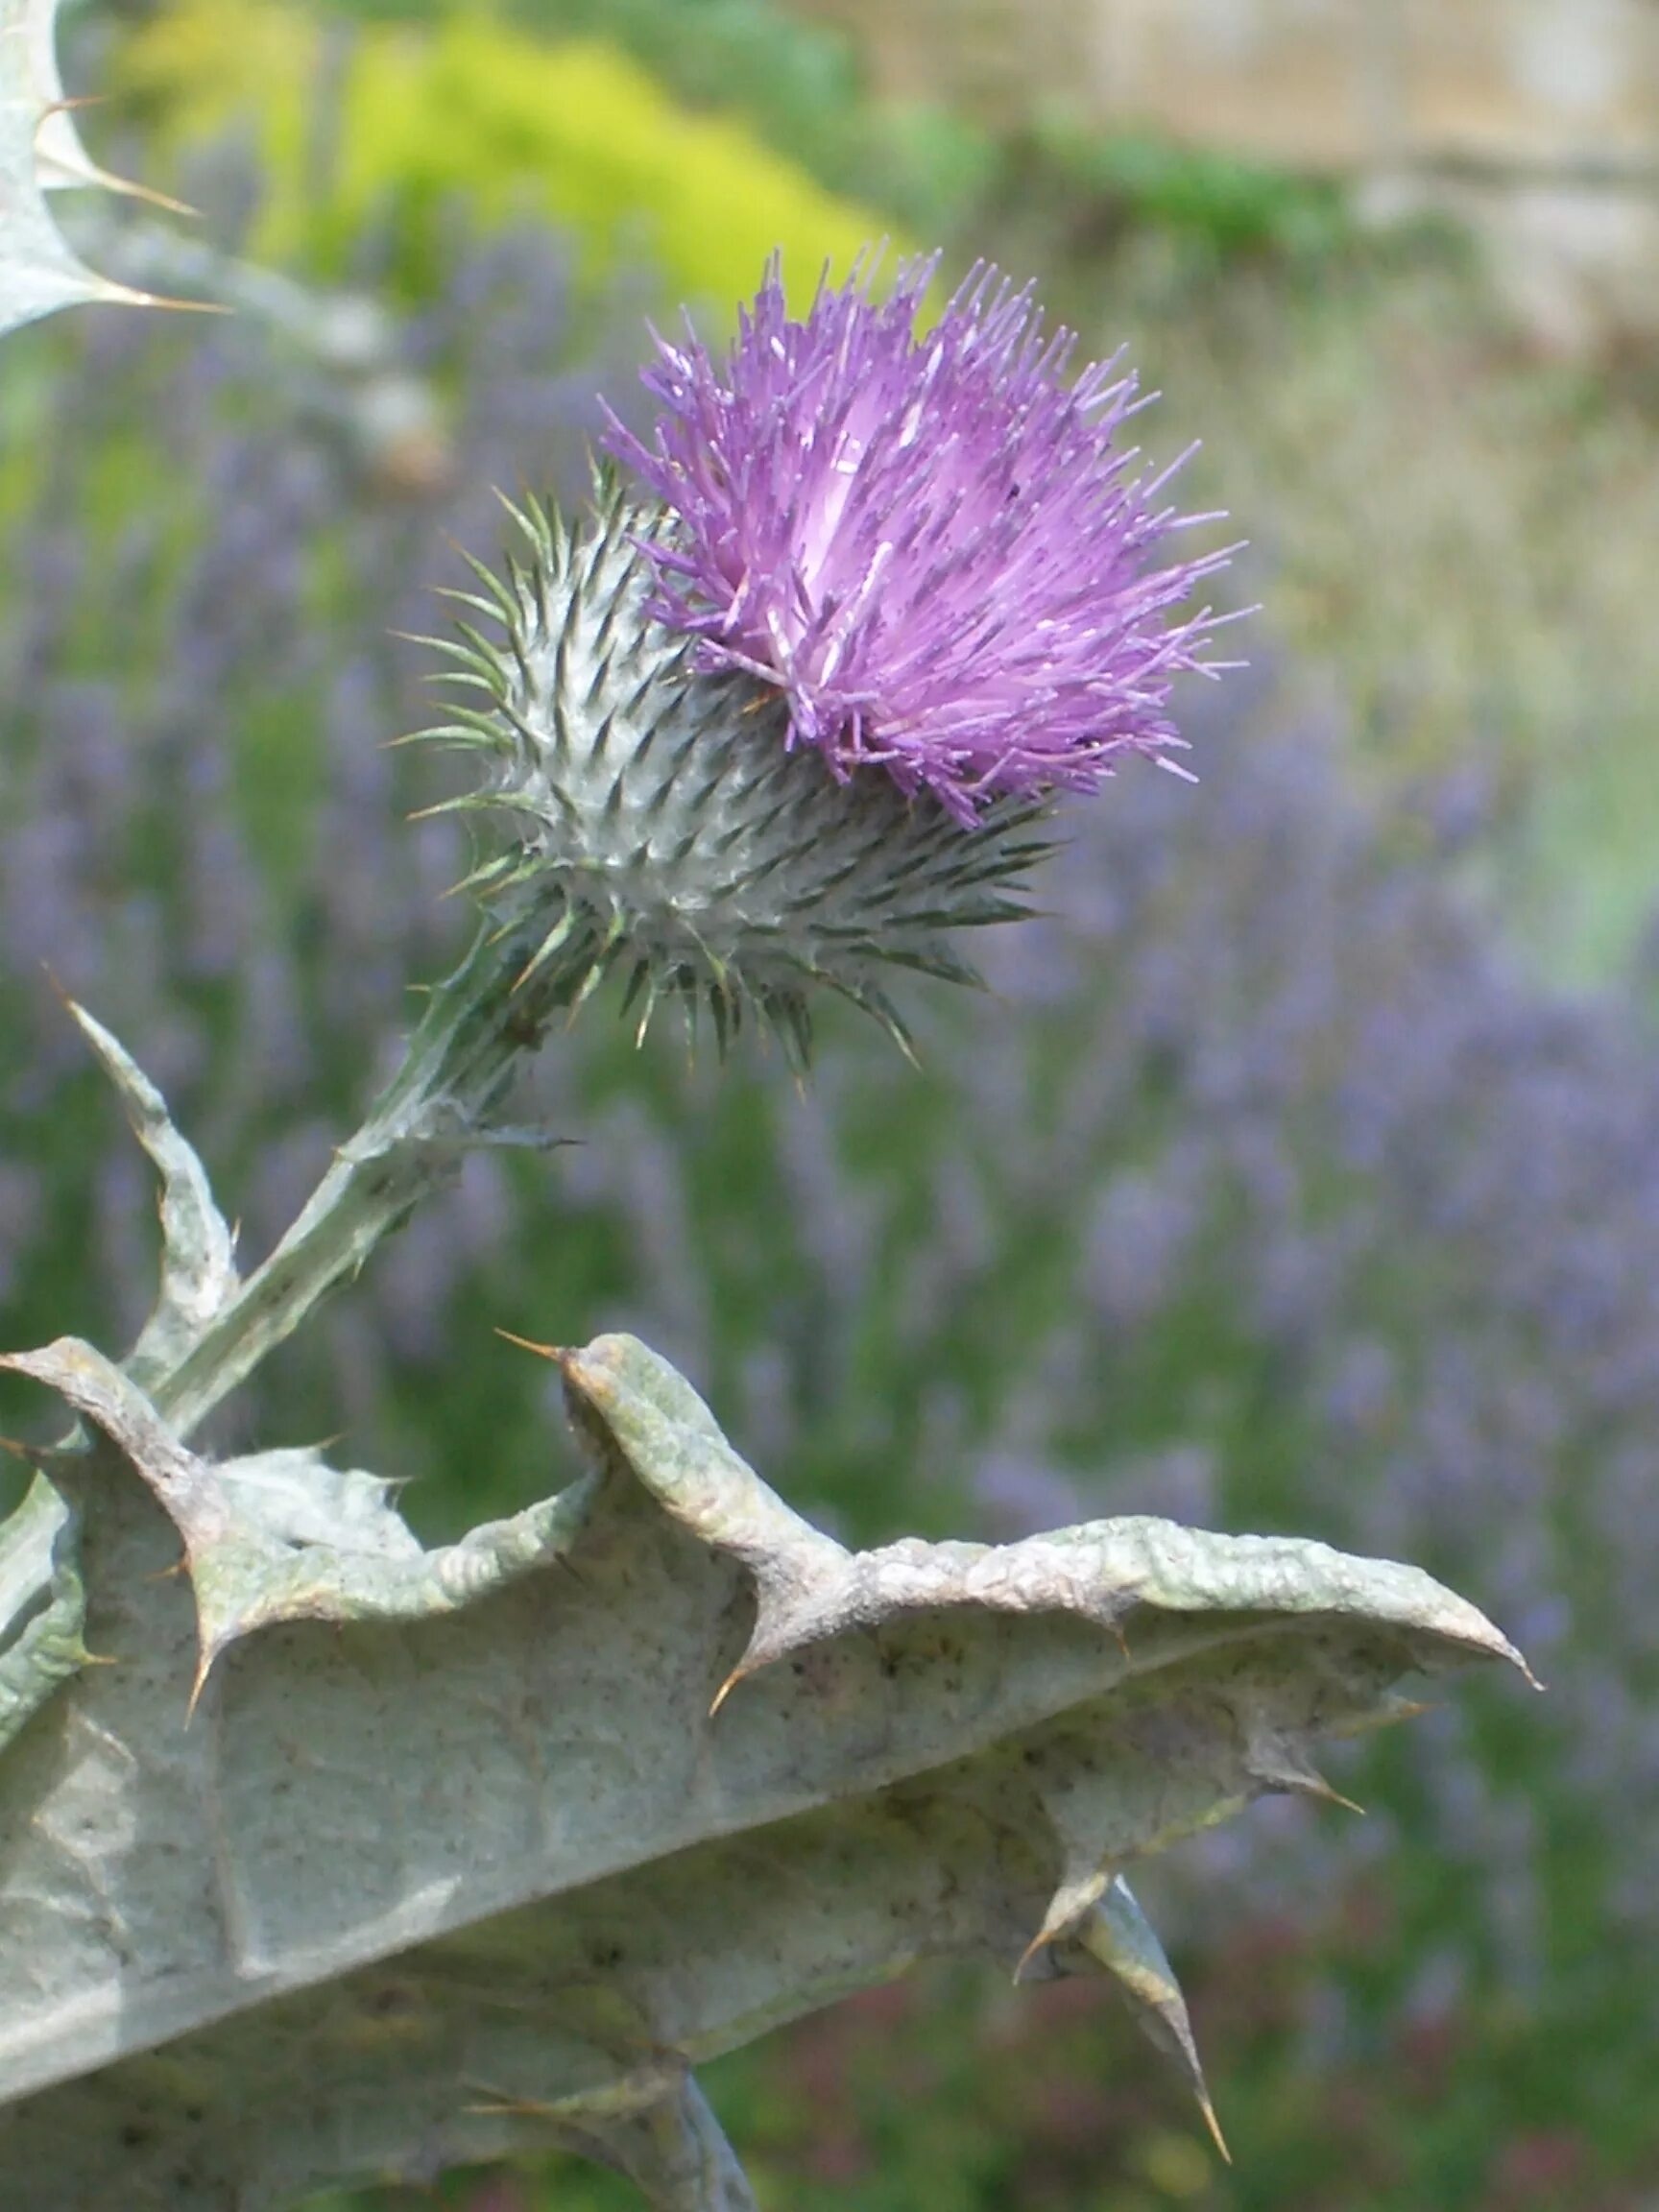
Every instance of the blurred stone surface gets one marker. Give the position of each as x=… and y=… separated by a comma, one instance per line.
x=1536, y=121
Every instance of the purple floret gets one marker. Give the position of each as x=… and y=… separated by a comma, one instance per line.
x=928, y=540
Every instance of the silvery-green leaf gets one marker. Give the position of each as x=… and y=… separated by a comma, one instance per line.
x=39, y=149
x=282, y=1536
x=42, y=1598
x=197, y=1246
x=296, y=1496
x=43, y=1605
x=427, y=1881
x=810, y=1590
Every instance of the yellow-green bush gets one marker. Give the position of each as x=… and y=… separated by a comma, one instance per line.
x=350, y=122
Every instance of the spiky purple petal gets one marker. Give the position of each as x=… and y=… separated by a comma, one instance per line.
x=934, y=544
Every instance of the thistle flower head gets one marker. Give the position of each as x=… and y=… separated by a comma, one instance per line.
x=789, y=722
x=658, y=824
x=930, y=544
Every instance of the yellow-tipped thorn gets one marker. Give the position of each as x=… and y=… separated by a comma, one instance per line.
x=204, y=1668
x=1308, y=1783
x=554, y=1351
x=739, y=1674
x=89, y=171
x=122, y=295
x=1214, y=2127
x=1410, y=1709
x=1025, y=1958
x=1045, y=1936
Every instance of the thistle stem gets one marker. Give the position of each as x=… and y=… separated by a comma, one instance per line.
x=457, y=1065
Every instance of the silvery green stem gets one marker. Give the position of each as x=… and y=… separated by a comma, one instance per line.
x=458, y=1064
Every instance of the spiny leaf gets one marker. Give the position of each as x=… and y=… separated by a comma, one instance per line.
x=43, y=1605
x=282, y=1536
x=198, y=1248
x=810, y=1589
x=40, y=150
x=455, y=1859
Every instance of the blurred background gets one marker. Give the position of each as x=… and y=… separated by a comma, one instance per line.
x=1300, y=1171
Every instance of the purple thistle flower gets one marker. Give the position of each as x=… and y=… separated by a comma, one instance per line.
x=929, y=542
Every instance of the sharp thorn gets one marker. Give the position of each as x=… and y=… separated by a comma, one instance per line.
x=555, y=1352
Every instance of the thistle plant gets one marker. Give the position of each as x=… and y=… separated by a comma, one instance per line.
x=333, y=1856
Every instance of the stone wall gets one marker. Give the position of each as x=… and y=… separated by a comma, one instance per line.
x=1537, y=120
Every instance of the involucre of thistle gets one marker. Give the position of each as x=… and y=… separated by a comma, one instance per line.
x=660, y=825
x=932, y=543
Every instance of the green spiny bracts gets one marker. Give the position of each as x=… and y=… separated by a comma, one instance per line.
x=658, y=824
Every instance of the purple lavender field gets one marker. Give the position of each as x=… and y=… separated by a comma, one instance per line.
x=1264, y=1188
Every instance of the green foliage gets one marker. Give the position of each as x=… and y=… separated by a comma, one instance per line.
x=697, y=130
x=800, y=85
x=1221, y=204
x=402, y=120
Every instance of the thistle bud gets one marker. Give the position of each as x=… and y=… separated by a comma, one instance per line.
x=657, y=823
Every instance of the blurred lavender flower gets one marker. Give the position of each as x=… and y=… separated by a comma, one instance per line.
x=930, y=542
